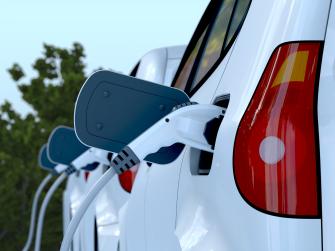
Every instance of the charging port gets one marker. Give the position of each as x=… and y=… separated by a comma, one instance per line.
x=201, y=161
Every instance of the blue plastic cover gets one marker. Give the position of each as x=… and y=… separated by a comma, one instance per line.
x=113, y=109
x=64, y=146
x=91, y=167
x=44, y=161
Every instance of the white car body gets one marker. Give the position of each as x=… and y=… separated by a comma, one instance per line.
x=100, y=227
x=326, y=134
x=172, y=209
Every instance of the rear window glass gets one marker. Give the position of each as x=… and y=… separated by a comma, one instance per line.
x=185, y=73
x=215, y=41
x=134, y=71
x=237, y=19
x=222, y=21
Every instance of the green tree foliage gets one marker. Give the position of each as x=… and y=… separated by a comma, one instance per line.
x=52, y=94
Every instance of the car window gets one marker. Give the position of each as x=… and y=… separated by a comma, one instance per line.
x=237, y=19
x=223, y=19
x=135, y=69
x=215, y=41
x=185, y=73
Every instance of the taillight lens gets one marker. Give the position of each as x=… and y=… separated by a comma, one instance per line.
x=275, y=152
x=127, y=178
x=88, y=168
x=86, y=175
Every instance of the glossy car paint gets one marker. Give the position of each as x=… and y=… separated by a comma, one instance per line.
x=107, y=206
x=171, y=209
x=160, y=65
x=326, y=117
x=72, y=196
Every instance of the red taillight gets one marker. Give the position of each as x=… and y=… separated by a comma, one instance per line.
x=275, y=152
x=86, y=175
x=127, y=178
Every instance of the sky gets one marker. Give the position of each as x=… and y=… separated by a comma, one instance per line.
x=114, y=33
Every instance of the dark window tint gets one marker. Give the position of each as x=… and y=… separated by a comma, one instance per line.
x=201, y=161
x=96, y=241
x=215, y=41
x=185, y=73
x=237, y=19
x=222, y=19
x=135, y=69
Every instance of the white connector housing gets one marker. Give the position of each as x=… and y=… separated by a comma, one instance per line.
x=60, y=168
x=185, y=125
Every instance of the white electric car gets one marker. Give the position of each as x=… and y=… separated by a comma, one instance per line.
x=271, y=64
x=99, y=229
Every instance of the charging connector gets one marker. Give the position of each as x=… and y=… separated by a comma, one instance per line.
x=185, y=124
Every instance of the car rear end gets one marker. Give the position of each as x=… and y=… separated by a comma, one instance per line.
x=263, y=191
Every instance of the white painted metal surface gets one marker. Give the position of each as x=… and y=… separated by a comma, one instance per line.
x=210, y=214
x=326, y=115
